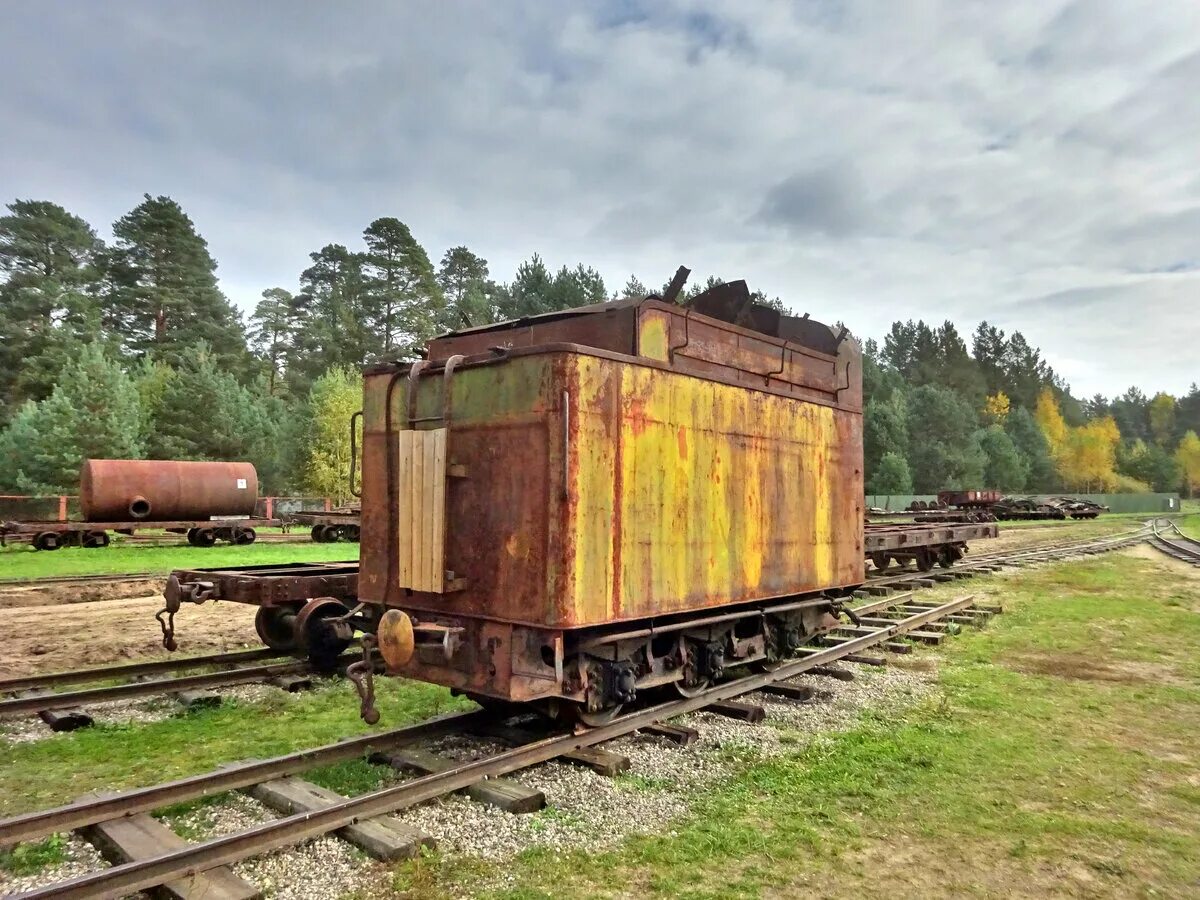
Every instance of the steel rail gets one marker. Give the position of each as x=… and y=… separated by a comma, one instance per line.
x=906, y=577
x=138, y=875
x=80, y=579
x=67, y=699
x=1186, y=549
x=130, y=670
x=90, y=810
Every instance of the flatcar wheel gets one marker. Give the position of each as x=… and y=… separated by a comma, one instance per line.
x=95, y=539
x=47, y=540
x=946, y=557
x=318, y=534
x=329, y=534
x=317, y=635
x=245, y=536
x=201, y=537
x=276, y=626
x=880, y=560
x=925, y=560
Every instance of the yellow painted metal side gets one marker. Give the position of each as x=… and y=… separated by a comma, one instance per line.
x=654, y=335
x=688, y=493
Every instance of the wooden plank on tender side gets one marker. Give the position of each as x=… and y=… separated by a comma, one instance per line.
x=418, y=521
x=509, y=795
x=383, y=837
x=404, y=506
x=439, y=513
x=142, y=836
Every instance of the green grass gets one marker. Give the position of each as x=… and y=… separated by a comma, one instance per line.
x=24, y=562
x=25, y=859
x=1061, y=757
x=1190, y=524
x=108, y=757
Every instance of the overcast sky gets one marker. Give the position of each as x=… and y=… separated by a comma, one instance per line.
x=1034, y=164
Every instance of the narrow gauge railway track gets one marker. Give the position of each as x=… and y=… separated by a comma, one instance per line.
x=891, y=618
x=35, y=695
x=35, y=700
x=62, y=580
x=1168, y=538
x=907, y=578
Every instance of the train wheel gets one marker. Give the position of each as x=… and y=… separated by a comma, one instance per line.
x=352, y=533
x=946, y=556
x=47, y=540
x=276, y=626
x=596, y=718
x=94, y=539
x=329, y=534
x=880, y=560
x=925, y=560
x=318, y=634
x=317, y=534
x=245, y=536
x=201, y=537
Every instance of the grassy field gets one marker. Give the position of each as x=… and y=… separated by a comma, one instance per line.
x=24, y=562
x=1061, y=756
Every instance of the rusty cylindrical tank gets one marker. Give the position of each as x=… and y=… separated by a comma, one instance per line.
x=118, y=490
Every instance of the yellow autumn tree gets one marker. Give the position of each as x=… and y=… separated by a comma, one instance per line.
x=1050, y=419
x=996, y=408
x=1161, y=411
x=1089, y=458
x=334, y=398
x=1188, y=457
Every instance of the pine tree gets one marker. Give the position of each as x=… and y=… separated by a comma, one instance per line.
x=633, y=288
x=1161, y=413
x=334, y=327
x=463, y=278
x=891, y=476
x=272, y=330
x=165, y=292
x=94, y=411
x=1006, y=469
x=404, y=303
x=204, y=413
x=48, y=305
x=885, y=430
x=942, y=449
x=1031, y=444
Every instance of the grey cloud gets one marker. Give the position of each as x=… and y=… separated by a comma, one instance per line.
x=862, y=160
x=827, y=201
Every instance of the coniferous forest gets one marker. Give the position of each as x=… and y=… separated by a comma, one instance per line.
x=131, y=350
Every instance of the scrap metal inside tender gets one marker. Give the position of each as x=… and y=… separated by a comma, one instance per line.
x=576, y=507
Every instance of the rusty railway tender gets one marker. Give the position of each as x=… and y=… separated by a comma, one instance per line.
x=575, y=508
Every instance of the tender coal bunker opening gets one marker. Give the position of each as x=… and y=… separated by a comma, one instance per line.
x=548, y=655
x=139, y=507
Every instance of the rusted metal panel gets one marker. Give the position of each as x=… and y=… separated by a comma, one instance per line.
x=270, y=585
x=156, y=490
x=601, y=489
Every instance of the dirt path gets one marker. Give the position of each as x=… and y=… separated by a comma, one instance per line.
x=51, y=638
